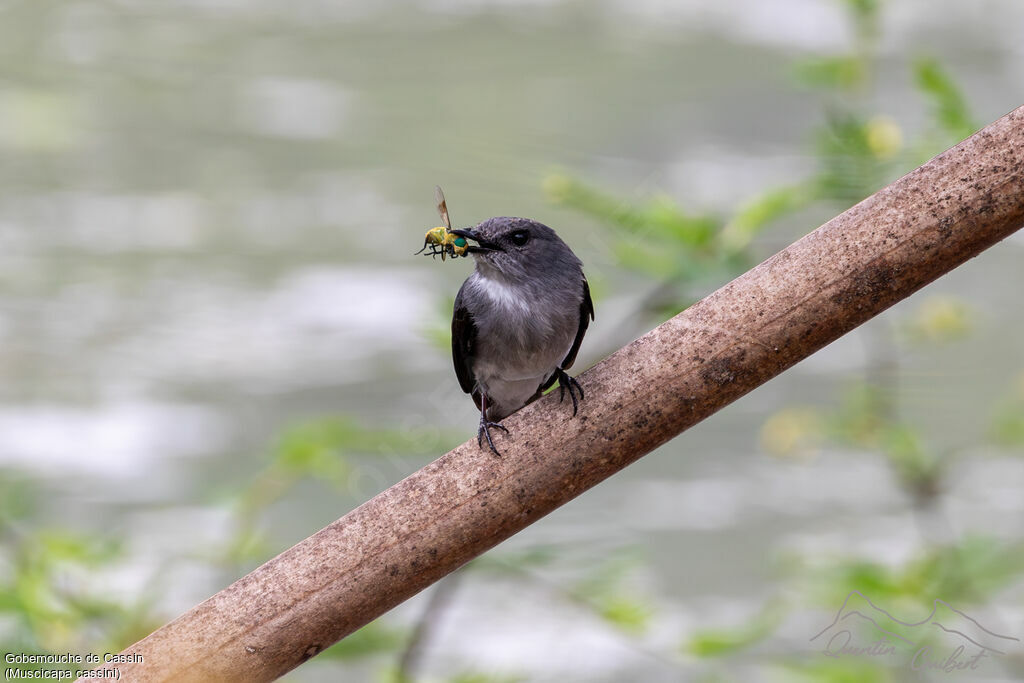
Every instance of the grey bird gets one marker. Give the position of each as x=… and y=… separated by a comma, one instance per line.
x=519, y=318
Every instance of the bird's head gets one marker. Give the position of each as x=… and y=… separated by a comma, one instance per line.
x=518, y=249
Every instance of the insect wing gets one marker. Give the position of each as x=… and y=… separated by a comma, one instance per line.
x=442, y=207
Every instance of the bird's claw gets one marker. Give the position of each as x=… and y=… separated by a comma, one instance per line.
x=565, y=380
x=485, y=431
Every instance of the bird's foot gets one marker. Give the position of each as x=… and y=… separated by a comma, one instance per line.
x=564, y=382
x=485, y=431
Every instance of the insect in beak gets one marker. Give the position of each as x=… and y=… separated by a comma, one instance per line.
x=481, y=245
x=442, y=239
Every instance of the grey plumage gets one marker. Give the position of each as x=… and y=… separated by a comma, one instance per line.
x=519, y=318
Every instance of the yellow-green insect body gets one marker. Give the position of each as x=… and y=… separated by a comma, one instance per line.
x=441, y=239
x=443, y=242
x=459, y=245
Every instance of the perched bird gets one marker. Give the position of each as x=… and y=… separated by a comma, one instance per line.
x=519, y=318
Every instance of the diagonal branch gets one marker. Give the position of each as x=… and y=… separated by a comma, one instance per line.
x=424, y=527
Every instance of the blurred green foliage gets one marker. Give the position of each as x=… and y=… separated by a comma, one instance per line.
x=949, y=107
x=606, y=590
x=683, y=250
x=722, y=642
x=826, y=670
x=686, y=250
x=1008, y=422
x=52, y=597
x=856, y=150
x=375, y=638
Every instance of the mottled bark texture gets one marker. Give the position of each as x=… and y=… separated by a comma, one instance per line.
x=848, y=270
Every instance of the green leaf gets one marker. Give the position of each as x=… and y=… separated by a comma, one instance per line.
x=515, y=562
x=645, y=257
x=316, y=449
x=844, y=72
x=666, y=219
x=626, y=613
x=864, y=10
x=949, y=106
x=817, y=668
x=965, y=573
x=718, y=642
x=757, y=212
x=1008, y=424
x=919, y=469
x=373, y=639
x=866, y=16
x=321, y=445
x=19, y=496
x=850, y=166
x=59, y=545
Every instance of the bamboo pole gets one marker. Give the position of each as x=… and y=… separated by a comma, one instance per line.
x=391, y=547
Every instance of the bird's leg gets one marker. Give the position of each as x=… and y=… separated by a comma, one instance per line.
x=564, y=382
x=485, y=426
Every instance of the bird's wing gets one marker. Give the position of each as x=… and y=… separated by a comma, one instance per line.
x=586, y=315
x=463, y=344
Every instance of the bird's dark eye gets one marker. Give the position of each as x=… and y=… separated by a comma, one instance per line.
x=519, y=237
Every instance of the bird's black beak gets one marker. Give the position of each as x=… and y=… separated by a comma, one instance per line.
x=481, y=245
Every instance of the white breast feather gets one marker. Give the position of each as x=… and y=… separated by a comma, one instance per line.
x=502, y=295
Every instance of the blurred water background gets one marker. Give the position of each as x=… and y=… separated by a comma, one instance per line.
x=214, y=338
